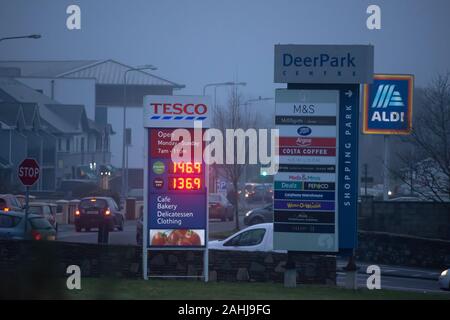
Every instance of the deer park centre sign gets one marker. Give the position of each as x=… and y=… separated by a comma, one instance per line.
x=316, y=187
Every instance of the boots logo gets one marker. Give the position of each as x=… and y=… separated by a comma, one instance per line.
x=387, y=96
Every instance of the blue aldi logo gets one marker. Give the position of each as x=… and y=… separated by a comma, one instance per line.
x=388, y=104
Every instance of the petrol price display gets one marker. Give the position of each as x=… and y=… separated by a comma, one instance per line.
x=185, y=176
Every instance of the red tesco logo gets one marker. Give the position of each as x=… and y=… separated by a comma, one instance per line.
x=179, y=108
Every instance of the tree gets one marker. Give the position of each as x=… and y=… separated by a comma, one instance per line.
x=234, y=115
x=426, y=165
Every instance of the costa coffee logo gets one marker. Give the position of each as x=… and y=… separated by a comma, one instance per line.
x=179, y=108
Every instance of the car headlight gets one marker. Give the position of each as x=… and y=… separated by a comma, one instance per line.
x=444, y=273
x=248, y=213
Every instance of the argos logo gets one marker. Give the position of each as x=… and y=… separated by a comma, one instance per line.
x=179, y=108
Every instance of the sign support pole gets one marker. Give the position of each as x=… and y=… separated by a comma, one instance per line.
x=27, y=202
x=144, y=215
x=386, y=169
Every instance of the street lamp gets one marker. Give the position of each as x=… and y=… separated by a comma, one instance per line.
x=124, y=145
x=31, y=36
x=257, y=100
x=221, y=84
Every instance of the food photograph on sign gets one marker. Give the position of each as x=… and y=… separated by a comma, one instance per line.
x=246, y=154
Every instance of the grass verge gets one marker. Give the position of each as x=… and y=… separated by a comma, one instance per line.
x=192, y=290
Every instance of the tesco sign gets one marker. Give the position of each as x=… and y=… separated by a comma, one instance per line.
x=179, y=108
x=176, y=111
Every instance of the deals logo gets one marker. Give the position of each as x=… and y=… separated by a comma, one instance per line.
x=304, y=131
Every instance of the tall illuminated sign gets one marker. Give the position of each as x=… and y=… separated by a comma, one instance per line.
x=176, y=206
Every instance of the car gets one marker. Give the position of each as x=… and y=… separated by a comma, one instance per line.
x=94, y=210
x=12, y=226
x=9, y=202
x=254, y=238
x=44, y=209
x=220, y=207
x=444, y=280
x=268, y=196
x=259, y=215
x=254, y=192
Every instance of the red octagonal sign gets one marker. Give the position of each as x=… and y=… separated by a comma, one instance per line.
x=28, y=172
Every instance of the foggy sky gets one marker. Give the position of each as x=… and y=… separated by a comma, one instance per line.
x=204, y=41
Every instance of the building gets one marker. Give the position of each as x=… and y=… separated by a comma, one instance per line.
x=100, y=87
x=60, y=137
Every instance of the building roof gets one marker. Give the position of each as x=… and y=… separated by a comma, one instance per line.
x=11, y=113
x=54, y=116
x=73, y=115
x=104, y=71
x=50, y=69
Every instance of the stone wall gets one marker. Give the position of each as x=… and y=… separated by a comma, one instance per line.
x=419, y=219
x=403, y=250
x=50, y=259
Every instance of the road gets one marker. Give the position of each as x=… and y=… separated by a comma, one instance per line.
x=397, y=278
x=67, y=233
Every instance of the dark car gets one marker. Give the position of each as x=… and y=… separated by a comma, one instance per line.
x=46, y=210
x=9, y=202
x=95, y=210
x=259, y=215
x=255, y=192
x=220, y=207
x=12, y=227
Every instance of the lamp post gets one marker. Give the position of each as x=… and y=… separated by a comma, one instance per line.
x=124, y=144
x=250, y=101
x=31, y=36
x=221, y=84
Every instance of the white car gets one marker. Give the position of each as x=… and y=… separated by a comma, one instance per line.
x=444, y=280
x=258, y=237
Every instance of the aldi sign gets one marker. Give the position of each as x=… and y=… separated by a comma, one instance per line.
x=388, y=104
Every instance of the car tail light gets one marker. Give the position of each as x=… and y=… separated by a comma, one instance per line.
x=107, y=212
x=77, y=212
x=6, y=209
x=36, y=235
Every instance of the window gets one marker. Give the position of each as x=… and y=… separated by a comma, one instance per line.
x=59, y=144
x=8, y=221
x=113, y=204
x=46, y=210
x=247, y=238
x=82, y=144
x=35, y=210
x=40, y=224
x=68, y=145
x=91, y=203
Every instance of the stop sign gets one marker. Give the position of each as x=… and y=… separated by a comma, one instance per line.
x=28, y=172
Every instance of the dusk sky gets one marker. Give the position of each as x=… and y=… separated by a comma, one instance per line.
x=204, y=41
